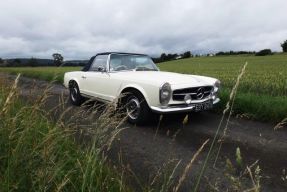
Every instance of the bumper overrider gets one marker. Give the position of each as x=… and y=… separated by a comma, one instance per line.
x=184, y=107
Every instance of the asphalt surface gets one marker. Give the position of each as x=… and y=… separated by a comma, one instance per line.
x=146, y=149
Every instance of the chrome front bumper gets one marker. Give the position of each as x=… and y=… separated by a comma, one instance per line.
x=179, y=109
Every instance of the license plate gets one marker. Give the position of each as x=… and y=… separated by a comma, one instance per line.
x=203, y=106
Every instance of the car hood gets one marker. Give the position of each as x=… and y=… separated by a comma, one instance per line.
x=159, y=77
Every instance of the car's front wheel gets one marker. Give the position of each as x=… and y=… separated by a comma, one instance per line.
x=75, y=96
x=136, y=107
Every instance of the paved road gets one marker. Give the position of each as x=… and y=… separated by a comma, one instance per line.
x=146, y=149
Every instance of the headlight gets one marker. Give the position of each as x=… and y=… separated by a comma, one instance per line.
x=217, y=85
x=165, y=94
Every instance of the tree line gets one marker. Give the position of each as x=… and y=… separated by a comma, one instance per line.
x=168, y=57
x=173, y=56
x=58, y=59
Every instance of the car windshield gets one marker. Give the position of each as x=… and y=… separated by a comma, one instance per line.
x=121, y=62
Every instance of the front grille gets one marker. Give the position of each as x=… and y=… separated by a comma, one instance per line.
x=196, y=93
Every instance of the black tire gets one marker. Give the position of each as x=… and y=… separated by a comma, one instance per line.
x=75, y=95
x=141, y=115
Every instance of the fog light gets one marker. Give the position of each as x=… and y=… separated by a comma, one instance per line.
x=187, y=99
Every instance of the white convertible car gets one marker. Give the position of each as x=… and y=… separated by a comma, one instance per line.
x=134, y=82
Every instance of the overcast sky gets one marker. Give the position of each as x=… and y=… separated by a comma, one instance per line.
x=80, y=28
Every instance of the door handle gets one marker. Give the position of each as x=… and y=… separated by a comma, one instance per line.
x=84, y=77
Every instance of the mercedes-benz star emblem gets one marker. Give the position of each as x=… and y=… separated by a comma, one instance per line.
x=200, y=93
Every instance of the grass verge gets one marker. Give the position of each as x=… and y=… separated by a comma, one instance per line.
x=38, y=155
x=43, y=73
x=257, y=107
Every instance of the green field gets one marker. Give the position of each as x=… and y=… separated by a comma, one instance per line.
x=45, y=73
x=262, y=92
x=267, y=74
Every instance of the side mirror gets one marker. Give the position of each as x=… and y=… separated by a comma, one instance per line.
x=101, y=68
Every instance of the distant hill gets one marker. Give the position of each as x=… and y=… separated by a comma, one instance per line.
x=76, y=62
x=26, y=61
x=36, y=62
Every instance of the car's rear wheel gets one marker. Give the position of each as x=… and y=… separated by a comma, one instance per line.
x=136, y=107
x=75, y=95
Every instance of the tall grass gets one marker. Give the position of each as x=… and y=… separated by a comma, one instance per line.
x=281, y=124
x=37, y=154
x=67, y=153
x=227, y=108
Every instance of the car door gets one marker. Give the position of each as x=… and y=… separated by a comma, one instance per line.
x=94, y=80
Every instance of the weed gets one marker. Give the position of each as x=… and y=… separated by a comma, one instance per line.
x=239, y=158
x=238, y=176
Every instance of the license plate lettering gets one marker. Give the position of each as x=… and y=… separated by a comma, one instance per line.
x=203, y=106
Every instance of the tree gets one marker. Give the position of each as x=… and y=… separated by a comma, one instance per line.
x=2, y=62
x=58, y=59
x=284, y=46
x=171, y=56
x=163, y=57
x=264, y=52
x=186, y=54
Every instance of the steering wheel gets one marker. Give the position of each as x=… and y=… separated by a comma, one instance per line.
x=121, y=67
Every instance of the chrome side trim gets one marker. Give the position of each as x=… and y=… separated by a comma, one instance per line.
x=96, y=98
x=172, y=109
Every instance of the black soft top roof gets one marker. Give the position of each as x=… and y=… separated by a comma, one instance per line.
x=107, y=53
x=87, y=66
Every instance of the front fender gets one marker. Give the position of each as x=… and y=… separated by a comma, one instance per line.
x=68, y=77
x=151, y=94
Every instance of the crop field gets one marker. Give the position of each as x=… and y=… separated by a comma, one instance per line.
x=262, y=93
x=263, y=75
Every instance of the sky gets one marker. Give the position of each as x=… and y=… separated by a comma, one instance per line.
x=78, y=29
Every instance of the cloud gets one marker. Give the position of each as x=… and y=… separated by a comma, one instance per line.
x=80, y=28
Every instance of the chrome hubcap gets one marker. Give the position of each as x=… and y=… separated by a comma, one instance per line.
x=74, y=92
x=133, y=108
